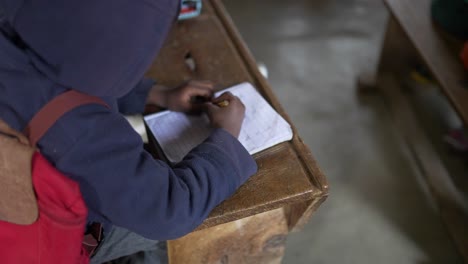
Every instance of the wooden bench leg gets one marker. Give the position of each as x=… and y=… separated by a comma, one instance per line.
x=452, y=205
x=299, y=214
x=397, y=55
x=253, y=240
x=366, y=83
x=397, y=58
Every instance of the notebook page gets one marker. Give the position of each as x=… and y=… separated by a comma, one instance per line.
x=262, y=127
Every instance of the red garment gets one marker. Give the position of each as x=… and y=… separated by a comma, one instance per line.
x=464, y=55
x=56, y=235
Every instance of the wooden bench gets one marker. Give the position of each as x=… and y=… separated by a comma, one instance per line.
x=252, y=225
x=413, y=38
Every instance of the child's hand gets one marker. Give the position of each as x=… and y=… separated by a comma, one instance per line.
x=188, y=97
x=226, y=112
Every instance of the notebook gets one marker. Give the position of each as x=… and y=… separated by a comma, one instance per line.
x=178, y=133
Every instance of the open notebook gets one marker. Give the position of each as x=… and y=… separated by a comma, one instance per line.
x=263, y=127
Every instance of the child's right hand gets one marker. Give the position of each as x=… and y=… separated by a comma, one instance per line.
x=228, y=117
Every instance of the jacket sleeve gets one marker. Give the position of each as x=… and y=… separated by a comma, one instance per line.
x=122, y=182
x=134, y=102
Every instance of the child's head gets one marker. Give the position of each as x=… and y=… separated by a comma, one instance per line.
x=100, y=47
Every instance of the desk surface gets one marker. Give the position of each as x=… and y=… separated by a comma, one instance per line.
x=287, y=173
x=438, y=52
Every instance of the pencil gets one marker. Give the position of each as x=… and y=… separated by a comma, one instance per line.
x=223, y=103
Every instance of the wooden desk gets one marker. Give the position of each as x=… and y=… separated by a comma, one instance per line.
x=412, y=38
x=251, y=226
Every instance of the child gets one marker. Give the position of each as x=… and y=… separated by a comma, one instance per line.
x=103, y=48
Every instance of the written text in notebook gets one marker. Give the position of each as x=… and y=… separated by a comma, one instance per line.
x=263, y=127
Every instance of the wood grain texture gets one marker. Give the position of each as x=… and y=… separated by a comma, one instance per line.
x=249, y=227
x=207, y=43
x=313, y=171
x=279, y=181
x=439, y=54
x=253, y=240
x=299, y=214
x=288, y=173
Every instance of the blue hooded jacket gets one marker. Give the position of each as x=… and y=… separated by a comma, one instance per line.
x=103, y=48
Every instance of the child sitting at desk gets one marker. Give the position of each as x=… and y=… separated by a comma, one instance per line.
x=103, y=48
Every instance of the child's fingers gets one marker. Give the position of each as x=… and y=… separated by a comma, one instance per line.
x=210, y=108
x=206, y=86
x=201, y=91
x=227, y=96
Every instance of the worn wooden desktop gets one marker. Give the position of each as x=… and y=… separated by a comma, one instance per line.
x=413, y=39
x=251, y=226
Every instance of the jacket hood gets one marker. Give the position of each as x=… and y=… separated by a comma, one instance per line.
x=99, y=47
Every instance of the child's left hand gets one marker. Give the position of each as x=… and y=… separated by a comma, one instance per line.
x=188, y=98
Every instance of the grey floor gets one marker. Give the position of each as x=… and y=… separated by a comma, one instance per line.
x=379, y=210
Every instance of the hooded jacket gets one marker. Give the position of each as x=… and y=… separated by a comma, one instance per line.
x=103, y=48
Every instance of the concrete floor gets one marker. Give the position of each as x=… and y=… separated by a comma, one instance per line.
x=379, y=210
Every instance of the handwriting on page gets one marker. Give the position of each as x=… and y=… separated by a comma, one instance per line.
x=178, y=133
x=262, y=127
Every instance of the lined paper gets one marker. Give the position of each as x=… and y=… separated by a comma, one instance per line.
x=263, y=127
